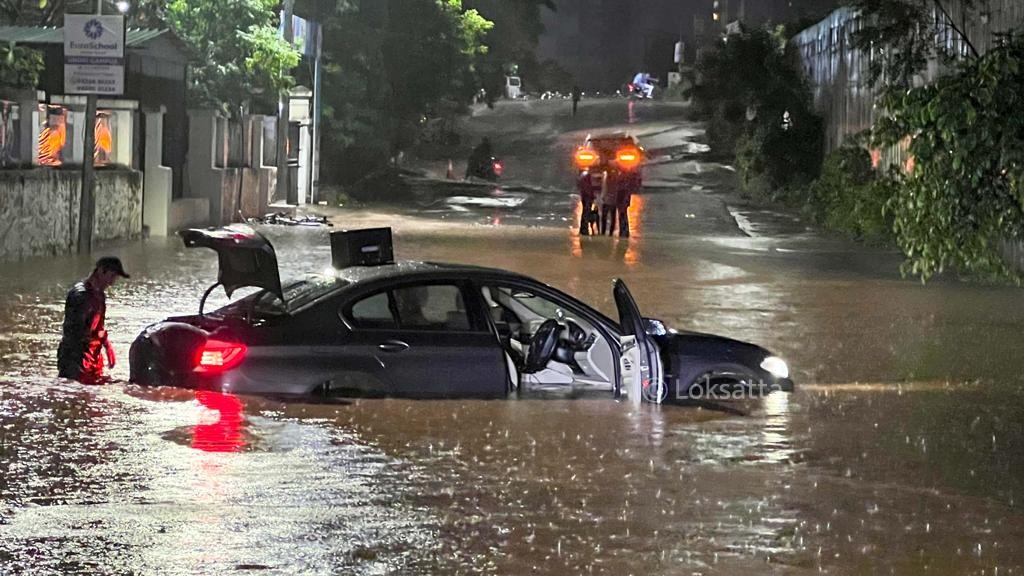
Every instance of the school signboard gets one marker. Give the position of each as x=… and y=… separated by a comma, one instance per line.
x=93, y=54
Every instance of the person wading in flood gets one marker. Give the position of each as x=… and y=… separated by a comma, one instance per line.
x=85, y=310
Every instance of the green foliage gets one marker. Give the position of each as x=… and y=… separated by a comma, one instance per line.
x=32, y=12
x=235, y=51
x=744, y=87
x=850, y=198
x=513, y=40
x=964, y=196
x=388, y=65
x=21, y=66
x=901, y=35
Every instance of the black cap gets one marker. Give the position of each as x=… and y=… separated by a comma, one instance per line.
x=113, y=264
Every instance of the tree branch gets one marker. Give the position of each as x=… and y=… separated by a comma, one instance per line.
x=952, y=24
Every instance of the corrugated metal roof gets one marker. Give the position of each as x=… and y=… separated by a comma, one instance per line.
x=45, y=35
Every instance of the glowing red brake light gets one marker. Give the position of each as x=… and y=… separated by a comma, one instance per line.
x=585, y=158
x=498, y=168
x=216, y=356
x=628, y=157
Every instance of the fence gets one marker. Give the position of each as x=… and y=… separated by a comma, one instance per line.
x=841, y=85
x=839, y=73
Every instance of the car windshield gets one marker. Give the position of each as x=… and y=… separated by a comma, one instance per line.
x=297, y=295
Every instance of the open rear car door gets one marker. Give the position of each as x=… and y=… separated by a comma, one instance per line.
x=245, y=256
x=641, y=371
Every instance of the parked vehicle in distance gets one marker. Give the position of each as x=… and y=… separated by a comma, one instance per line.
x=513, y=87
x=617, y=154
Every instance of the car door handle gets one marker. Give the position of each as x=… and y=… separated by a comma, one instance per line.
x=392, y=346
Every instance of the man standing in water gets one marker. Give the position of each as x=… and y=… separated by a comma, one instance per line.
x=85, y=310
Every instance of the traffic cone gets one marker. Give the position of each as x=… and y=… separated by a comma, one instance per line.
x=451, y=171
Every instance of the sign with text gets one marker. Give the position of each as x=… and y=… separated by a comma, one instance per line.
x=93, y=54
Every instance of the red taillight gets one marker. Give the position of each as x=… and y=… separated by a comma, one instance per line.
x=628, y=157
x=498, y=168
x=216, y=356
x=585, y=158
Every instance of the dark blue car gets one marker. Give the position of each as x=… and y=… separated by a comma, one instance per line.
x=429, y=330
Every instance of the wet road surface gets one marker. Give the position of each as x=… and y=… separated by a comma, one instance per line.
x=901, y=452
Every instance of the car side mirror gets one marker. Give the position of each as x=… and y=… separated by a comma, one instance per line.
x=655, y=327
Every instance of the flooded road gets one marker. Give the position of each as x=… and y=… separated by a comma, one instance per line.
x=901, y=452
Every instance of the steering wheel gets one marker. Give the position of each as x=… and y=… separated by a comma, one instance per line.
x=542, y=346
x=576, y=335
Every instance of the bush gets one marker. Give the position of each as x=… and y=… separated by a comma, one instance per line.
x=962, y=201
x=849, y=197
x=772, y=161
x=743, y=89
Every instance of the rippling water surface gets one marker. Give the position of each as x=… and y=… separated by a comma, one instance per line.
x=901, y=452
x=915, y=471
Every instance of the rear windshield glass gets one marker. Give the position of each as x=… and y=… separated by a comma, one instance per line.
x=296, y=295
x=611, y=144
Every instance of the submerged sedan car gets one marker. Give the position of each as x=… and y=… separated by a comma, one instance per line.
x=428, y=330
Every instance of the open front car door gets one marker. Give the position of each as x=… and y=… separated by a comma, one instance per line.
x=641, y=370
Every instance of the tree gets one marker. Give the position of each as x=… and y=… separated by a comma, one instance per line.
x=901, y=34
x=747, y=87
x=513, y=40
x=21, y=66
x=388, y=65
x=236, y=55
x=964, y=197
x=32, y=12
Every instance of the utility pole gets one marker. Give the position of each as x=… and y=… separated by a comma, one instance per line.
x=314, y=180
x=284, y=189
x=87, y=198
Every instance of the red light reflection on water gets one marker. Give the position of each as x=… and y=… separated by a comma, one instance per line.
x=220, y=426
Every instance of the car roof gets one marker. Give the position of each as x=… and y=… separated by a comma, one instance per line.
x=611, y=136
x=354, y=278
x=355, y=275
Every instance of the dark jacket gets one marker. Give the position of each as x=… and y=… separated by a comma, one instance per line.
x=80, y=355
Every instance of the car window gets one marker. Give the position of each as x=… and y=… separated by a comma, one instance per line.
x=536, y=304
x=431, y=307
x=373, y=312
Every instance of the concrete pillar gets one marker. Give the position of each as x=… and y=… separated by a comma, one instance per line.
x=156, y=191
x=204, y=178
x=266, y=174
x=123, y=138
x=28, y=131
x=305, y=142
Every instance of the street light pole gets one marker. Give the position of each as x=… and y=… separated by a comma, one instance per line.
x=283, y=120
x=87, y=198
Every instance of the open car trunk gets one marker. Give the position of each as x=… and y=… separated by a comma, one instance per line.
x=245, y=257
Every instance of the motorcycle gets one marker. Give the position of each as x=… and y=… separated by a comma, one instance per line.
x=490, y=169
x=637, y=91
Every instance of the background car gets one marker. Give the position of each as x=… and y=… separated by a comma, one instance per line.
x=619, y=155
x=426, y=330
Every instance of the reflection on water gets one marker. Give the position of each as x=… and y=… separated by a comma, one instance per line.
x=776, y=445
x=836, y=479
x=220, y=424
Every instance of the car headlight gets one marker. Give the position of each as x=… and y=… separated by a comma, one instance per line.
x=776, y=366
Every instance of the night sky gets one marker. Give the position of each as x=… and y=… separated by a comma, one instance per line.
x=604, y=42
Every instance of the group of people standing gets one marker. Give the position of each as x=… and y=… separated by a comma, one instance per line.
x=605, y=199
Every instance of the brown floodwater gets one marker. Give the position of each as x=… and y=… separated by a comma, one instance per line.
x=901, y=451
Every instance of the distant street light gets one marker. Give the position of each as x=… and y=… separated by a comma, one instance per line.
x=123, y=6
